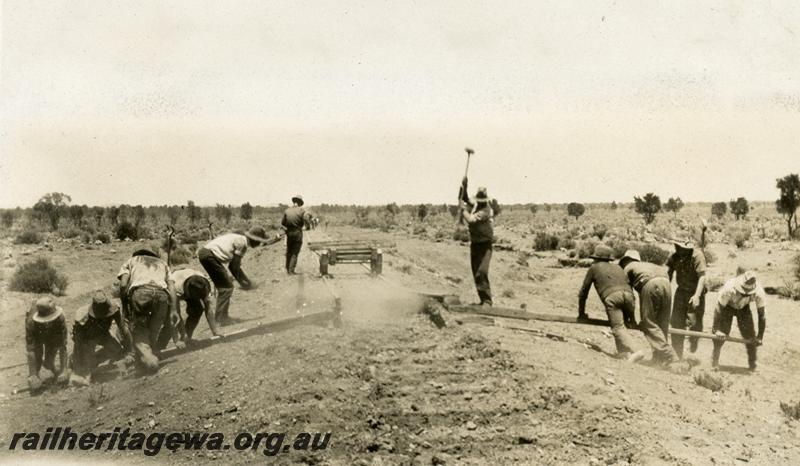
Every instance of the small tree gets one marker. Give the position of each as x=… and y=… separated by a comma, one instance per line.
x=547, y=207
x=739, y=208
x=139, y=215
x=8, y=218
x=787, y=204
x=454, y=210
x=534, y=208
x=674, y=205
x=647, y=206
x=51, y=207
x=113, y=215
x=173, y=214
x=392, y=209
x=246, y=211
x=223, y=213
x=575, y=209
x=719, y=209
x=192, y=211
x=422, y=212
x=97, y=213
x=76, y=214
x=614, y=205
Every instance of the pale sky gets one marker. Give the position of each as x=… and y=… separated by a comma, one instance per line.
x=159, y=102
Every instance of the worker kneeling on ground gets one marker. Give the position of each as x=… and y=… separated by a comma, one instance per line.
x=617, y=296
x=92, y=328
x=229, y=249
x=734, y=301
x=194, y=289
x=45, y=336
x=479, y=216
x=150, y=296
x=655, y=302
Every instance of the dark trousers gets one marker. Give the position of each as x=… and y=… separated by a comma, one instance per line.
x=656, y=303
x=618, y=305
x=683, y=316
x=294, y=242
x=723, y=319
x=219, y=276
x=86, y=356
x=149, y=309
x=480, y=259
x=194, y=309
x=45, y=355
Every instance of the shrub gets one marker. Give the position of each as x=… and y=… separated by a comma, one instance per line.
x=647, y=206
x=653, y=253
x=714, y=283
x=28, y=237
x=565, y=241
x=586, y=248
x=125, y=230
x=791, y=410
x=740, y=237
x=545, y=242
x=575, y=209
x=103, y=237
x=38, y=276
x=70, y=232
x=600, y=230
x=461, y=234
x=180, y=255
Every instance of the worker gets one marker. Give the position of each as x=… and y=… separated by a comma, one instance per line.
x=688, y=265
x=229, y=249
x=195, y=290
x=655, y=302
x=150, y=296
x=734, y=300
x=45, y=336
x=295, y=218
x=92, y=327
x=479, y=216
x=616, y=294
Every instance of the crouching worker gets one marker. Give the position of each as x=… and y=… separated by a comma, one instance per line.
x=617, y=296
x=194, y=289
x=655, y=303
x=734, y=301
x=150, y=296
x=229, y=249
x=92, y=328
x=45, y=336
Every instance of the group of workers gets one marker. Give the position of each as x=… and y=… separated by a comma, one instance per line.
x=148, y=313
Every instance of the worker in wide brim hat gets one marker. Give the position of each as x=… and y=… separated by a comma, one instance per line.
x=478, y=214
x=688, y=265
x=294, y=220
x=228, y=250
x=45, y=337
x=655, y=304
x=612, y=287
x=197, y=291
x=734, y=300
x=92, y=328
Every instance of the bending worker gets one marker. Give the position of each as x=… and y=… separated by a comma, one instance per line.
x=734, y=301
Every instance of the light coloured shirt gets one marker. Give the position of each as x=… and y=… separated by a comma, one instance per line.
x=226, y=246
x=145, y=270
x=180, y=277
x=729, y=297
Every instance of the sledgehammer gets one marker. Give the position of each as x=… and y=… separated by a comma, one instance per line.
x=461, y=189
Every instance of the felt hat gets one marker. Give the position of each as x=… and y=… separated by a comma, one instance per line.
x=683, y=243
x=196, y=287
x=631, y=254
x=746, y=283
x=46, y=310
x=144, y=252
x=482, y=195
x=101, y=305
x=298, y=199
x=602, y=253
x=257, y=234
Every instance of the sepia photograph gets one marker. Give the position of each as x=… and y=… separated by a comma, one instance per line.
x=372, y=233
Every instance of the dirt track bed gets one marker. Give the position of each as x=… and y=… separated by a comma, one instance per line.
x=394, y=389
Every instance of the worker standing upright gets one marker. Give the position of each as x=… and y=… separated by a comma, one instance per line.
x=479, y=216
x=295, y=218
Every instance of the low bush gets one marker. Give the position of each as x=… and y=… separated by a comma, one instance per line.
x=600, y=231
x=179, y=256
x=566, y=242
x=70, y=232
x=38, y=276
x=28, y=237
x=126, y=230
x=653, y=253
x=545, y=242
x=714, y=283
x=103, y=237
x=791, y=410
x=741, y=236
x=586, y=248
x=461, y=234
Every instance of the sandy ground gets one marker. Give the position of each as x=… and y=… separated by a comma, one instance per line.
x=394, y=389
